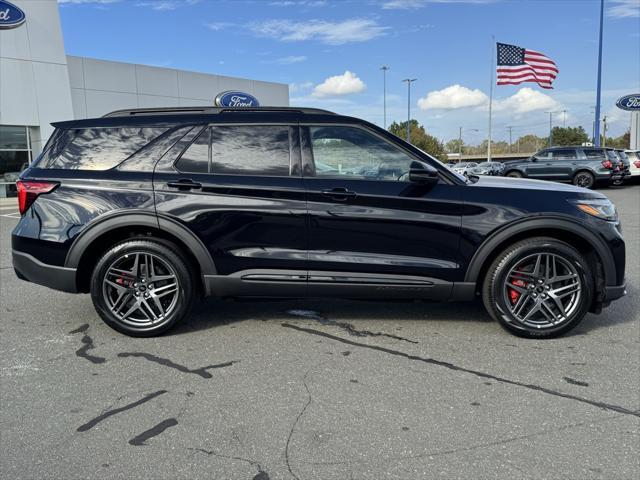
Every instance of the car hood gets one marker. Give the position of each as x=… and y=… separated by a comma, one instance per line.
x=528, y=184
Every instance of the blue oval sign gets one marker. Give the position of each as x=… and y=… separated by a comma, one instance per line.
x=233, y=98
x=629, y=102
x=10, y=15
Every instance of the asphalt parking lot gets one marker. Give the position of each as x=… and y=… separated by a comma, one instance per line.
x=317, y=389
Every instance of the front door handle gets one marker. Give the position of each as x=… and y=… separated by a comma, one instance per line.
x=340, y=194
x=184, y=184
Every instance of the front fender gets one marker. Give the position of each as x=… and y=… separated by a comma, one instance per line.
x=558, y=223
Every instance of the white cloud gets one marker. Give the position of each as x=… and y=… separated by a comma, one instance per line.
x=81, y=2
x=298, y=87
x=298, y=3
x=166, y=5
x=415, y=4
x=526, y=100
x=287, y=60
x=338, y=85
x=624, y=9
x=332, y=33
x=215, y=26
x=455, y=96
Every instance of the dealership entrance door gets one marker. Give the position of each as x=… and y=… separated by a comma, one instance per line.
x=15, y=156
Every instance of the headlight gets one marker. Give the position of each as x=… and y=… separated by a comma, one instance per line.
x=601, y=208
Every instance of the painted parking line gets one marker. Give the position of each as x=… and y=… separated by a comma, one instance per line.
x=15, y=215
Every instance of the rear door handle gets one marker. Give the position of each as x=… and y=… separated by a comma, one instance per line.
x=340, y=194
x=185, y=184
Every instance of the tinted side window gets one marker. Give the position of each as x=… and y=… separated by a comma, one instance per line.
x=250, y=150
x=564, y=154
x=544, y=154
x=593, y=153
x=196, y=158
x=96, y=148
x=353, y=152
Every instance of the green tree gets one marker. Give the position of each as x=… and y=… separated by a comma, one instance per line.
x=530, y=143
x=420, y=138
x=453, y=145
x=623, y=141
x=569, y=136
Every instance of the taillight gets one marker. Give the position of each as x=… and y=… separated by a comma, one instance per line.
x=637, y=163
x=29, y=190
x=607, y=164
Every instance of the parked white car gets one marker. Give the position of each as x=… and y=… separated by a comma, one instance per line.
x=464, y=167
x=634, y=162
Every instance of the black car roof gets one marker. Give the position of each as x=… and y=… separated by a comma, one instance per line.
x=199, y=115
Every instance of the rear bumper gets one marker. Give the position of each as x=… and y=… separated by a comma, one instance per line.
x=33, y=270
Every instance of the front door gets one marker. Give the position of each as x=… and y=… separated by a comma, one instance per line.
x=371, y=231
x=239, y=189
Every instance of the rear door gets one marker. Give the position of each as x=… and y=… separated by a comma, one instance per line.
x=238, y=187
x=563, y=163
x=371, y=231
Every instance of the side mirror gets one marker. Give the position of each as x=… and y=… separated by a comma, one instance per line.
x=534, y=159
x=423, y=176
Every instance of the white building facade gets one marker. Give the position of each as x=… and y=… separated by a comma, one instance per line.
x=40, y=84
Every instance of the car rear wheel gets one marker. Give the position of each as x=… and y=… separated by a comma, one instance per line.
x=142, y=287
x=538, y=288
x=513, y=174
x=584, y=179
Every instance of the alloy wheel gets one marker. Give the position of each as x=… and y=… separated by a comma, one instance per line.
x=140, y=289
x=542, y=290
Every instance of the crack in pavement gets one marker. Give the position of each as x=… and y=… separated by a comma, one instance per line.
x=153, y=432
x=573, y=381
x=295, y=423
x=347, y=327
x=83, y=352
x=477, y=373
x=261, y=475
x=93, y=422
x=202, y=372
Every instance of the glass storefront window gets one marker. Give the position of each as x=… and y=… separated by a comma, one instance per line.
x=15, y=156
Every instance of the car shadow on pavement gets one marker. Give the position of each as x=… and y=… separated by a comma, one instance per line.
x=213, y=312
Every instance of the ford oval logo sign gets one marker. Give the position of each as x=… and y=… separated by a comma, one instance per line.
x=10, y=15
x=236, y=99
x=629, y=102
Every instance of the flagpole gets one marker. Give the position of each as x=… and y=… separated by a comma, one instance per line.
x=493, y=42
x=597, y=120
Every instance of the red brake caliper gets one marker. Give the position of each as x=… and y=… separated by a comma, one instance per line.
x=513, y=294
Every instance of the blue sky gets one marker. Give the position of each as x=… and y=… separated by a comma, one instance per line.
x=330, y=53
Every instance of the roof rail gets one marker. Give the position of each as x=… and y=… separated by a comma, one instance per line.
x=209, y=110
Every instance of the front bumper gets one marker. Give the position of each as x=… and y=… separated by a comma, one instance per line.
x=615, y=292
x=33, y=270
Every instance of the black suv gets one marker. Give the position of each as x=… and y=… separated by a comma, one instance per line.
x=582, y=166
x=149, y=209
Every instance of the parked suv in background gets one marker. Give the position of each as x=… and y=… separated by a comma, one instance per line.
x=624, y=166
x=487, y=168
x=634, y=162
x=464, y=168
x=149, y=209
x=582, y=166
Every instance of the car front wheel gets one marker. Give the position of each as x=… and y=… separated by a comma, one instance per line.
x=538, y=288
x=514, y=174
x=142, y=287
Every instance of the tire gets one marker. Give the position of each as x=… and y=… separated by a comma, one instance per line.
x=508, y=296
x=514, y=174
x=584, y=179
x=125, y=284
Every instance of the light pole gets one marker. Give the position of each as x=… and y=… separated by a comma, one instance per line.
x=409, y=82
x=564, y=119
x=384, y=69
x=596, y=134
x=550, y=128
x=460, y=141
x=510, y=128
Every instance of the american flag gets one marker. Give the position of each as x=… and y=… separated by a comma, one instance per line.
x=517, y=65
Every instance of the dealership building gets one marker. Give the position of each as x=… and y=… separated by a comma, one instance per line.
x=41, y=84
